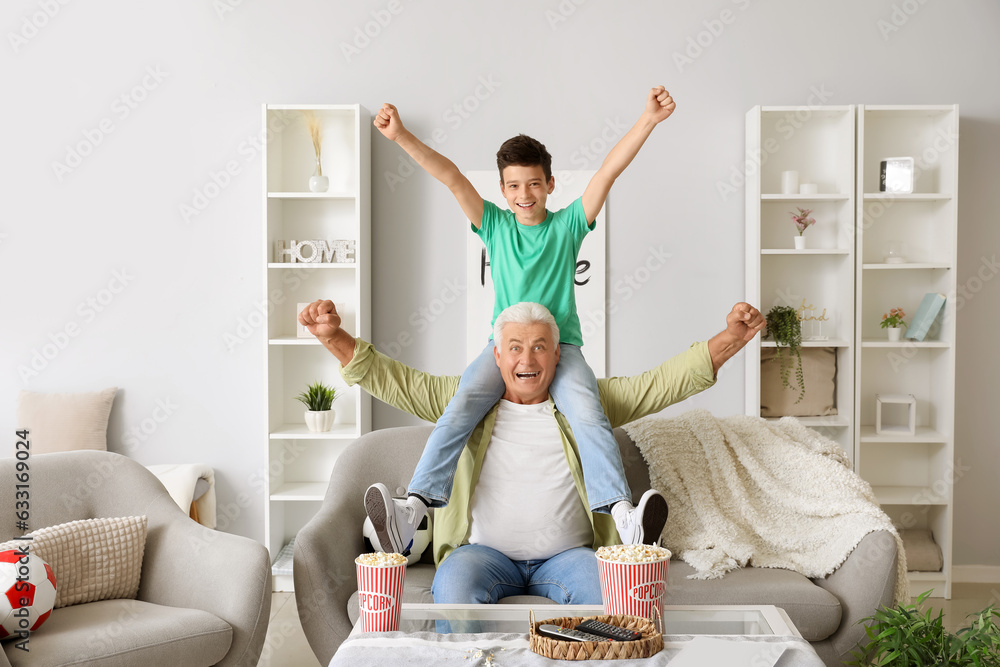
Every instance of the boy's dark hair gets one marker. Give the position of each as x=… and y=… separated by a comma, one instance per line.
x=523, y=151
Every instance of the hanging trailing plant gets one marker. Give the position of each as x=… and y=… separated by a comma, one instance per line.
x=784, y=328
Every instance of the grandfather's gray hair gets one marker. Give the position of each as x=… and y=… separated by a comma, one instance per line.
x=524, y=313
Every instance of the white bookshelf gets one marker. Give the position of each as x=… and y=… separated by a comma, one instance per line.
x=844, y=267
x=298, y=462
x=912, y=475
x=819, y=144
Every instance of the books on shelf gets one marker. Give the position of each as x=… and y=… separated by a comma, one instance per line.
x=928, y=311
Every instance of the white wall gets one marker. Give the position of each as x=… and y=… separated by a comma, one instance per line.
x=561, y=71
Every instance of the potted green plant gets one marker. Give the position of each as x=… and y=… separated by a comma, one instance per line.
x=802, y=222
x=318, y=399
x=784, y=328
x=905, y=637
x=893, y=322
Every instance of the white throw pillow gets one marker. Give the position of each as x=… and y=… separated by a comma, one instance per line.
x=93, y=559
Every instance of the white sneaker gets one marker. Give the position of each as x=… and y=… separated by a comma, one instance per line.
x=395, y=520
x=644, y=523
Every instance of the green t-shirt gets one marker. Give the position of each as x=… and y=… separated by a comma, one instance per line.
x=536, y=263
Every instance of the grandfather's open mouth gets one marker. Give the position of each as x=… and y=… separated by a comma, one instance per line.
x=527, y=376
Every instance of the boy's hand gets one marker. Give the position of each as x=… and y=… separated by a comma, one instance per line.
x=659, y=104
x=321, y=319
x=388, y=123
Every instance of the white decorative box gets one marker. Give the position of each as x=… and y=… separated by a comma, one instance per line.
x=907, y=400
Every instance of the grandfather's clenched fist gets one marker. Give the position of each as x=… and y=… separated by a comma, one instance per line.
x=744, y=321
x=320, y=318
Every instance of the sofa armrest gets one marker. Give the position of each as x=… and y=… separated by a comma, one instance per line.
x=188, y=565
x=324, y=573
x=864, y=583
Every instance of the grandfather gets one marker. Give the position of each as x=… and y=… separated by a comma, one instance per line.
x=518, y=522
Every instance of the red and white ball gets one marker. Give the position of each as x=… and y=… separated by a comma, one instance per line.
x=27, y=593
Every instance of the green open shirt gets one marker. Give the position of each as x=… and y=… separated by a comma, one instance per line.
x=423, y=395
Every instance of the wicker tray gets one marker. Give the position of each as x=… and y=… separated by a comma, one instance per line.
x=650, y=644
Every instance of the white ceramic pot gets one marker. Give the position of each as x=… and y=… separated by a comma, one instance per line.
x=894, y=333
x=320, y=421
x=800, y=242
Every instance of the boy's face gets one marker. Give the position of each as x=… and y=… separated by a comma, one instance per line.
x=526, y=190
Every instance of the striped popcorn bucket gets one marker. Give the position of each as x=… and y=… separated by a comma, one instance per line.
x=633, y=589
x=380, y=594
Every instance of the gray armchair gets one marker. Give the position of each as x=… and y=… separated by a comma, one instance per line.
x=204, y=596
x=825, y=611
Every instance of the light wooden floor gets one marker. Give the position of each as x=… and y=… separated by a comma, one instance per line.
x=286, y=646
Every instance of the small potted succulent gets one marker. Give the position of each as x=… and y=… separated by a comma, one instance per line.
x=893, y=323
x=785, y=329
x=318, y=399
x=802, y=223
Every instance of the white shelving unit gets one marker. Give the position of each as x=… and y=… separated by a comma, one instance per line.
x=298, y=461
x=819, y=144
x=841, y=148
x=913, y=476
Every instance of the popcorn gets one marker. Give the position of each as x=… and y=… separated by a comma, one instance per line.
x=379, y=559
x=633, y=553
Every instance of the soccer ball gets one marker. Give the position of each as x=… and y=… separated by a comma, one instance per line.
x=29, y=593
x=421, y=539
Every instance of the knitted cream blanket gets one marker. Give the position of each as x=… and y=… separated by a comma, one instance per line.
x=744, y=491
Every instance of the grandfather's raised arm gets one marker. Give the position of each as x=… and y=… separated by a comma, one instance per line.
x=742, y=323
x=322, y=320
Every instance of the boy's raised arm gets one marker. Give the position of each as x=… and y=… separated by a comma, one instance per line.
x=659, y=106
x=388, y=123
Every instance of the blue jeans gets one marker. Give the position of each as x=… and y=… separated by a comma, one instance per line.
x=476, y=574
x=574, y=390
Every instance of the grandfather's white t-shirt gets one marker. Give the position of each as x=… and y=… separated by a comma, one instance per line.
x=525, y=504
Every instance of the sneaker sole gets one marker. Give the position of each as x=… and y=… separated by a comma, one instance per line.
x=654, y=516
x=381, y=511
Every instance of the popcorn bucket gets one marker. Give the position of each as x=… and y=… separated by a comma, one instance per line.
x=380, y=591
x=633, y=579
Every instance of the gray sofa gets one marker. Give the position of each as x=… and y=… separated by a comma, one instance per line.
x=826, y=611
x=204, y=596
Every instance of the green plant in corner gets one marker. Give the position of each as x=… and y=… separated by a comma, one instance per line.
x=784, y=328
x=905, y=637
x=318, y=397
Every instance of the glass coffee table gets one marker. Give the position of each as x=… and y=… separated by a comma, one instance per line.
x=470, y=634
x=677, y=620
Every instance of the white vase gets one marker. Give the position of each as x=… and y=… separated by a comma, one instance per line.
x=318, y=182
x=320, y=421
x=894, y=333
x=800, y=242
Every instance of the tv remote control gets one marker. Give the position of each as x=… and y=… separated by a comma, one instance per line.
x=610, y=631
x=558, y=632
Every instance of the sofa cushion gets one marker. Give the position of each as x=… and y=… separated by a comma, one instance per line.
x=124, y=633
x=814, y=611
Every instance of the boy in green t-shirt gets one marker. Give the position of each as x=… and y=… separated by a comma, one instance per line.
x=533, y=254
